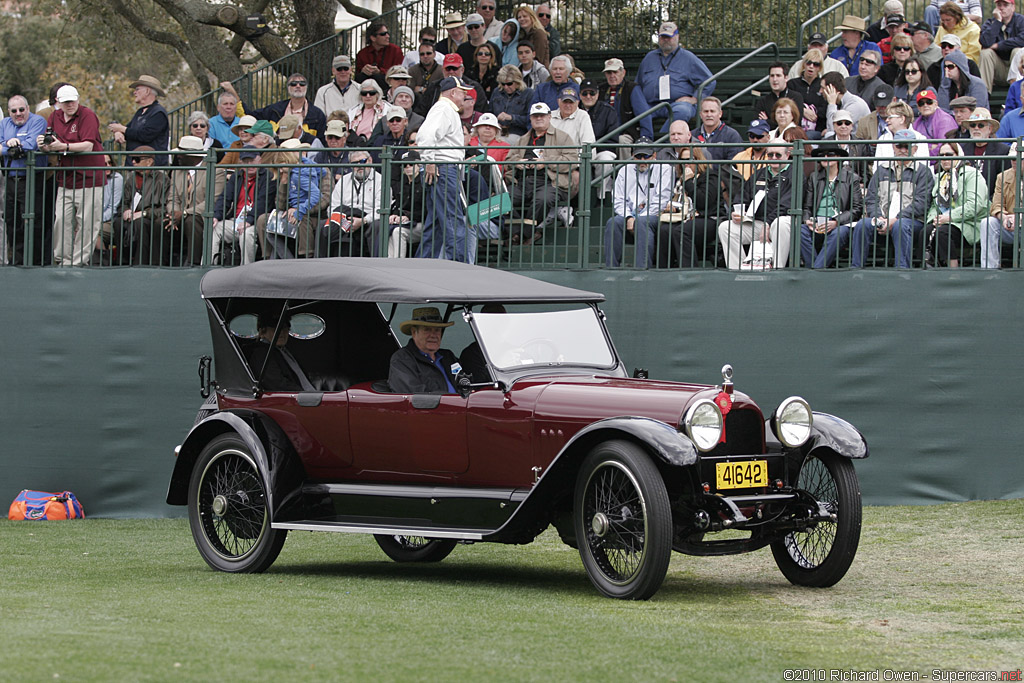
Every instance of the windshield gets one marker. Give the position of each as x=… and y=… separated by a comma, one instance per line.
x=572, y=337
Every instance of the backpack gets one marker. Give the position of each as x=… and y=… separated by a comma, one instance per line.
x=32, y=505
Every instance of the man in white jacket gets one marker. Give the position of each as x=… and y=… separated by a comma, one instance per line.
x=446, y=233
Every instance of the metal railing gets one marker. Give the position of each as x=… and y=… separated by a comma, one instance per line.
x=832, y=12
x=535, y=217
x=617, y=25
x=730, y=67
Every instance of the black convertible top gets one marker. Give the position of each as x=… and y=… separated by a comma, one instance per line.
x=406, y=280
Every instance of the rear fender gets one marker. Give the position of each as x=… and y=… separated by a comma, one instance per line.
x=266, y=441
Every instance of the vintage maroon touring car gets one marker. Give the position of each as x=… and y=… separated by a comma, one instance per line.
x=626, y=469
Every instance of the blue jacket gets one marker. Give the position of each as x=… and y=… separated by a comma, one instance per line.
x=686, y=72
x=1013, y=97
x=723, y=134
x=510, y=52
x=27, y=133
x=313, y=124
x=852, y=64
x=604, y=119
x=304, y=188
x=1012, y=124
x=548, y=94
x=1003, y=38
x=220, y=130
x=517, y=104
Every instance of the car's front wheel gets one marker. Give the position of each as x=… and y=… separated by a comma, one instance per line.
x=414, y=548
x=623, y=521
x=820, y=557
x=227, y=509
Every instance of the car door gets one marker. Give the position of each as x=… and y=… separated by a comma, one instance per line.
x=407, y=436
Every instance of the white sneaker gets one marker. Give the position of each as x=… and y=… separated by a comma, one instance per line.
x=565, y=215
x=757, y=264
x=761, y=256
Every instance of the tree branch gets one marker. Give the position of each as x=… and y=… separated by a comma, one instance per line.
x=357, y=10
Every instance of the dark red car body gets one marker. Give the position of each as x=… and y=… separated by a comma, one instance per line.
x=537, y=445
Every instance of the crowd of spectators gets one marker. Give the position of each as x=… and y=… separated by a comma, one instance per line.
x=483, y=130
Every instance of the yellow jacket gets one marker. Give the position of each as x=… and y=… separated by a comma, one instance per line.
x=970, y=39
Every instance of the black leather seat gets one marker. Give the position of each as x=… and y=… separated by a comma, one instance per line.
x=330, y=382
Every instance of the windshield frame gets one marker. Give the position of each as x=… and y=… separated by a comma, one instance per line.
x=489, y=350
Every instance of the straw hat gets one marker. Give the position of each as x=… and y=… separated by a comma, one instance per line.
x=426, y=316
x=151, y=82
x=853, y=23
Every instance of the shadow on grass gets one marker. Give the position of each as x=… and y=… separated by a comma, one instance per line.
x=462, y=573
x=562, y=581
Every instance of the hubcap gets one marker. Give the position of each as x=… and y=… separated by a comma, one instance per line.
x=599, y=524
x=219, y=506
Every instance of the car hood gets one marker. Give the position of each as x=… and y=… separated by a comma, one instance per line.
x=597, y=397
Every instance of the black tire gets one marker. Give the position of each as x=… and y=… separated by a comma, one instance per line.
x=227, y=509
x=623, y=521
x=820, y=557
x=414, y=548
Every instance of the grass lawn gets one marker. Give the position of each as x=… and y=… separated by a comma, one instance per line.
x=935, y=587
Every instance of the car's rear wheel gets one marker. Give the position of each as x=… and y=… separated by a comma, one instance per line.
x=227, y=509
x=414, y=548
x=623, y=521
x=820, y=557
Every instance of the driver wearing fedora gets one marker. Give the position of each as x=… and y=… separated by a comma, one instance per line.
x=422, y=366
x=149, y=126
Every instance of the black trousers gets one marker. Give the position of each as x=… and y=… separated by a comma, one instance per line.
x=17, y=204
x=679, y=242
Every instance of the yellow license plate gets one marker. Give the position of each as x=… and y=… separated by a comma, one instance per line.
x=741, y=475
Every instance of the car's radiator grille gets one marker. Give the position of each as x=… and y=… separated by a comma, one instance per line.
x=744, y=433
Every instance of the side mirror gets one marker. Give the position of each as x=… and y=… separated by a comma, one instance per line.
x=641, y=373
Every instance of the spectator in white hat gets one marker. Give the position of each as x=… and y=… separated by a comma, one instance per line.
x=538, y=188
x=79, y=199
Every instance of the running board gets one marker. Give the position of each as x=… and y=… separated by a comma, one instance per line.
x=427, y=532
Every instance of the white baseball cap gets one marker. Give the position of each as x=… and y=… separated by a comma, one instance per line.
x=539, y=108
x=67, y=93
x=488, y=120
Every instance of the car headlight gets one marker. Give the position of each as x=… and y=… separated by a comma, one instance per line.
x=703, y=424
x=793, y=422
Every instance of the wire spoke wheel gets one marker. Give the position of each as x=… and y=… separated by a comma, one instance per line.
x=414, y=548
x=618, y=522
x=821, y=555
x=622, y=519
x=228, y=510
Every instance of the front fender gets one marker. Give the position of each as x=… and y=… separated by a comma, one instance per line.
x=553, y=491
x=831, y=432
x=671, y=445
x=269, y=445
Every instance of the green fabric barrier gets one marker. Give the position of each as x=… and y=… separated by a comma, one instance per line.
x=99, y=381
